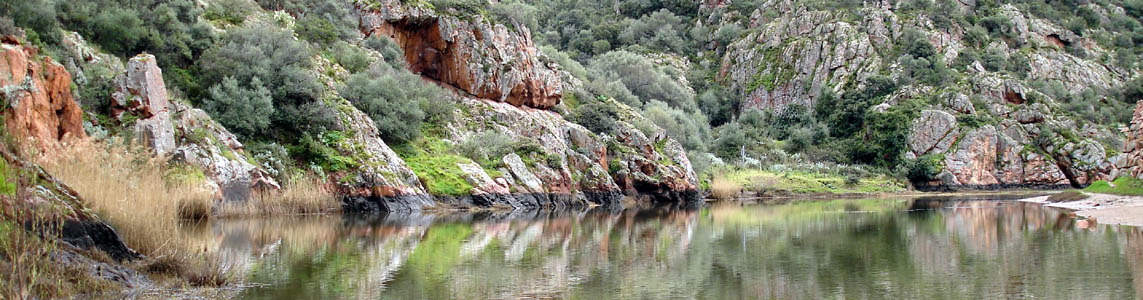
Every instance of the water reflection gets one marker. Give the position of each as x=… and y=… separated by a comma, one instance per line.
x=950, y=248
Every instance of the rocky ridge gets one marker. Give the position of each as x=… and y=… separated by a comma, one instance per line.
x=789, y=59
x=1130, y=163
x=501, y=86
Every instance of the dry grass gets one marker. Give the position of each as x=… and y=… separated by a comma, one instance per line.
x=126, y=186
x=724, y=189
x=28, y=268
x=302, y=195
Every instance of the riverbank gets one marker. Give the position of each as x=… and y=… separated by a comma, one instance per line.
x=1103, y=208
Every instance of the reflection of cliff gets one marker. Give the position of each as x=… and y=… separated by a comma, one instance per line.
x=1133, y=254
x=804, y=250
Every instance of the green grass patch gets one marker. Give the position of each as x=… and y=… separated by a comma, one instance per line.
x=1124, y=186
x=436, y=166
x=805, y=182
x=184, y=174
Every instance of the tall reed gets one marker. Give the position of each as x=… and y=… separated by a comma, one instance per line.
x=126, y=186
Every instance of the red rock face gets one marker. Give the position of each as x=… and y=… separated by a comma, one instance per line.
x=39, y=99
x=484, y=60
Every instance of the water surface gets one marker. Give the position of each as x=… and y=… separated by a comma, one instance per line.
x=931, y=248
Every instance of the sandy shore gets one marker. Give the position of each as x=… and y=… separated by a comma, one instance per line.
x=1103, y=208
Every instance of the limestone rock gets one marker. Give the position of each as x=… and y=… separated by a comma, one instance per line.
x=205, y=144
x=791, y=59
x=974, y=160
x=142, y=93
x=520, y=172
x=577, y=163
x=933, y=132
x=383, y=181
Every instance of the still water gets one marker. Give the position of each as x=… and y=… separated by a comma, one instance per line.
x=907, y=248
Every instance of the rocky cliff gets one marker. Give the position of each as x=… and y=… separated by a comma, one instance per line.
x=41, y=115
x=502, y=88
x=186, y=134
x=141, y=106
x=568, y=166
x=1130, y=163
x=37, y=95
x=486, y=60
x=985, y=128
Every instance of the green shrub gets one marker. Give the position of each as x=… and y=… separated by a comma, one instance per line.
x=731, y=139
x=924, y=168
x=994, y=61
x=244, y=110
x=230, y=11
x=642, y=78
x=317, y=30
x=318, y=151
x=272, y=157
x=689, y=129
x=330, y=18
x=661, y=30
x=486, y=147
x=353, y=59
x=282, y=63
x=393, y=99
x=514, y=12
x=388, y=48
x=596, y=116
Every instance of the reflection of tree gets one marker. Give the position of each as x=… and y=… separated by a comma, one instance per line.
x=803, y=250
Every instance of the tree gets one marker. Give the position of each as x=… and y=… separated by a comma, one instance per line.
x=731, y=140
x=642, y=78
x=244, y=110
x=689, y=129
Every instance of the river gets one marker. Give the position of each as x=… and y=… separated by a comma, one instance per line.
x=888, y=248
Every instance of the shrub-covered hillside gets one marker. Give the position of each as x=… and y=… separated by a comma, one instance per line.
x=941, y=92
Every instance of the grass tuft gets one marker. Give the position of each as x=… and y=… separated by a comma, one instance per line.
x=724, y=189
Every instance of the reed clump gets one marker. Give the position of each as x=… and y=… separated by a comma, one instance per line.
x=299, y=195
x=128, y=187
x=722, y=188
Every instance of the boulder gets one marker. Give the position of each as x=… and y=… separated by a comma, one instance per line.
x=205, y=144
x=142, y=94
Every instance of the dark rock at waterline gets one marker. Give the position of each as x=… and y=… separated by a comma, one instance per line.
x=939, y=187
x=87, y=235
x=516, y=201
